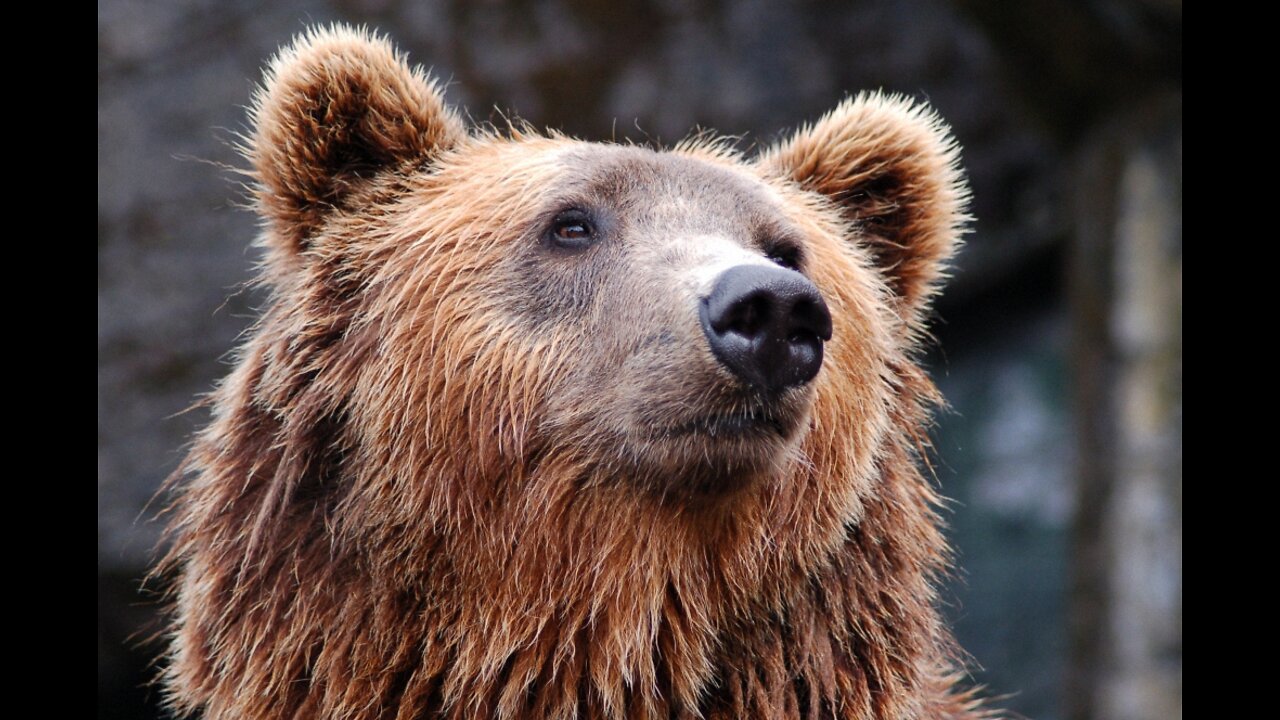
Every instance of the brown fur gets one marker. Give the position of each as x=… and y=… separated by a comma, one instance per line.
x=415, y=495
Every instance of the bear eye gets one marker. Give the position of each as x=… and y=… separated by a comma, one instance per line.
x=572, y=230
x=785, y=255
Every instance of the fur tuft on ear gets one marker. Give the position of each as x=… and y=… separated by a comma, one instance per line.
x=338, y=106
x=892, y=167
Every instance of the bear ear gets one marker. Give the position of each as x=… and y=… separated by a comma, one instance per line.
x=336, y=107
x=892, y=167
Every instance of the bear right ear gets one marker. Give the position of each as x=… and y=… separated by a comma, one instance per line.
x=338, y=106
x=892, y=168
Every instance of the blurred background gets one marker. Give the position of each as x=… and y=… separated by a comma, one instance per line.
x=1059, y=338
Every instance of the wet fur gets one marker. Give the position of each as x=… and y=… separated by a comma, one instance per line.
x=396, y=512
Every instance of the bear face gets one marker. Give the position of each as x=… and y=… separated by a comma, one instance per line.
x=634, y=389
x=540, y=427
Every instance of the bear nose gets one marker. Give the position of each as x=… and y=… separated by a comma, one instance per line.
x=767, y=325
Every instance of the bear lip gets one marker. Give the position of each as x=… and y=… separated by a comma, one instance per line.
x=731, y=425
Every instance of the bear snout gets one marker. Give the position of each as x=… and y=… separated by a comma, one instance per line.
x=766, y=325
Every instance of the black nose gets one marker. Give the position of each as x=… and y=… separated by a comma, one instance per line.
x=767, y=325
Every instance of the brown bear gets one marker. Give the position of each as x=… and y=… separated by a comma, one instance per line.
x=535, y=427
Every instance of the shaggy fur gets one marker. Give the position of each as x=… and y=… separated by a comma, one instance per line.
x=415, y=497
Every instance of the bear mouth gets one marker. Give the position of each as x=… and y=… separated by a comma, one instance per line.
x=711, y=451
x=732, y=425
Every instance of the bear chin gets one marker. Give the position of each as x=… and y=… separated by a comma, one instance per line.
x=718, y=451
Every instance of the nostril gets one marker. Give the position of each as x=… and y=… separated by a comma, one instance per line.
x=812, y=317
x=745, y=317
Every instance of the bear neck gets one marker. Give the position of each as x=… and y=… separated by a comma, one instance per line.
x=712, y=612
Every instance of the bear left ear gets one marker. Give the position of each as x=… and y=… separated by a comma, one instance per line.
x=338, y=106
x=893, y=168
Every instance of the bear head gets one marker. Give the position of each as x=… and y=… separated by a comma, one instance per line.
x=539, y=427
